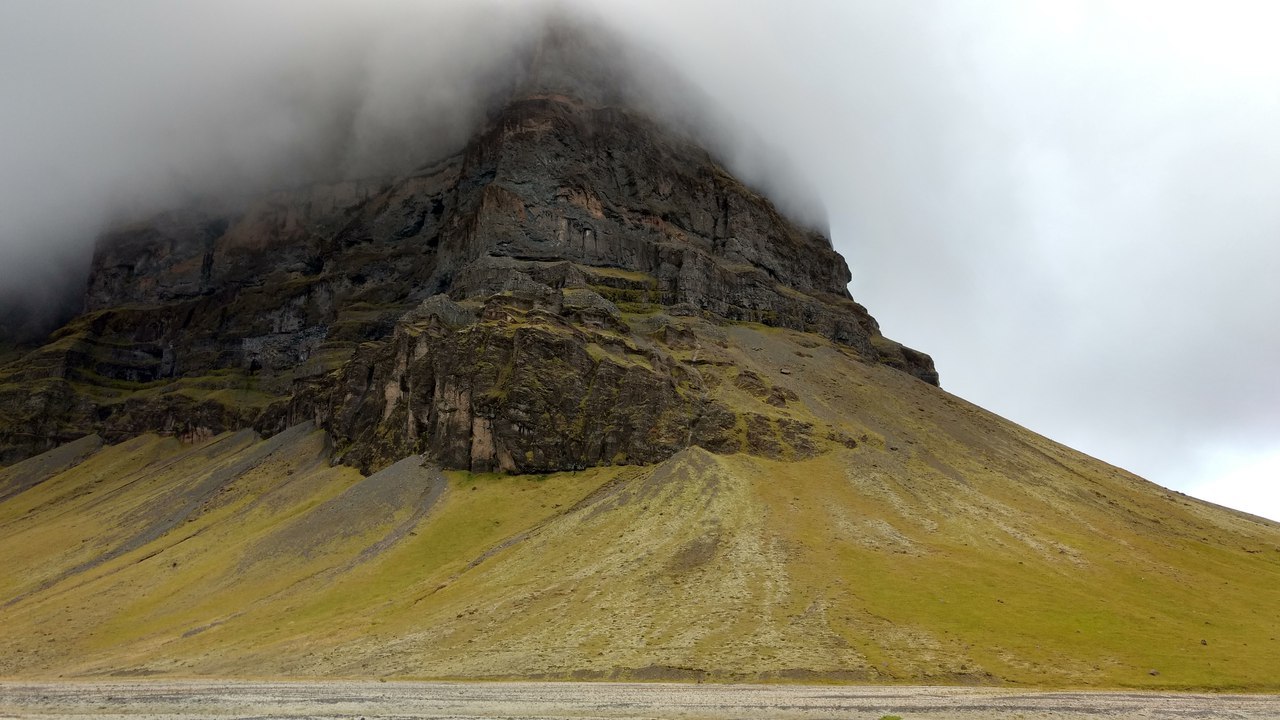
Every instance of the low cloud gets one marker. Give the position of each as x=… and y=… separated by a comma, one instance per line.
x=1070, y=205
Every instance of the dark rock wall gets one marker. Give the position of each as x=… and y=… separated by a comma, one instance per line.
x=559, y=218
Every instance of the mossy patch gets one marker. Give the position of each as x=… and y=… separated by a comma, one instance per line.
x=921, y=540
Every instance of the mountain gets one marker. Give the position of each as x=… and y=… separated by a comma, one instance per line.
x=536, y=253
x=571, y=402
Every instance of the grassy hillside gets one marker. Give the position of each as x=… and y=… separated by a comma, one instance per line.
x=908, y=536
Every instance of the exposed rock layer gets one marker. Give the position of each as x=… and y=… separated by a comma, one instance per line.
x=489, y=309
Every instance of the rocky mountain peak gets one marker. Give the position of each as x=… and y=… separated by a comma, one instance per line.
x=550, y=297
x=577, y=60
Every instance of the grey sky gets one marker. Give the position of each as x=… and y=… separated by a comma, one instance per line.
x=1071, y=205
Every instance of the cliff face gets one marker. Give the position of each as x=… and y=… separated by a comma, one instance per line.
x=511, y=307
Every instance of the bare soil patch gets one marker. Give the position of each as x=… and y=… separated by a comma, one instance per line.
x=173, y=700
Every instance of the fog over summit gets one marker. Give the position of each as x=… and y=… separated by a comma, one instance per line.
x=1070, y=207
x=169, y=105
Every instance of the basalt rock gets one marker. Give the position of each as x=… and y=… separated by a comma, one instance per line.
x=483, y=309
x=523, y=389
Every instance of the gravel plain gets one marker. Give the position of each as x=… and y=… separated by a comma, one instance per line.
x=347, y=700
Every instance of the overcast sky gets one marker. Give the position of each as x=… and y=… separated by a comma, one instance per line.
x=1073, y=206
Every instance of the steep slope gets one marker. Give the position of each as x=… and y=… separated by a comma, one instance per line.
x=934, y=542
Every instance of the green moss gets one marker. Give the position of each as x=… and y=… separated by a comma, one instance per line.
x=326, y=359
x=638, y=278
x=229, y=397
x=949, y=546
x=625, y=296
x=639, y=309
x=791, y=292
x=597, y=353
x=231, y=388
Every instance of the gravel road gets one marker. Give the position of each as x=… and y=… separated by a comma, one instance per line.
x=156, y=700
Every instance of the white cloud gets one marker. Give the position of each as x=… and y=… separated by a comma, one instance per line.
x=1251, y=484
x=1070, y=204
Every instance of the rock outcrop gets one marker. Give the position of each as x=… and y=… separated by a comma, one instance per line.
x=489, y=309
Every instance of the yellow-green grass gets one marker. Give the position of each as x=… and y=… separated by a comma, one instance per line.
x=639, y=278
x=947, y=546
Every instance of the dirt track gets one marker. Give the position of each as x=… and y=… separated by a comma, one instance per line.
x=579, y=701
